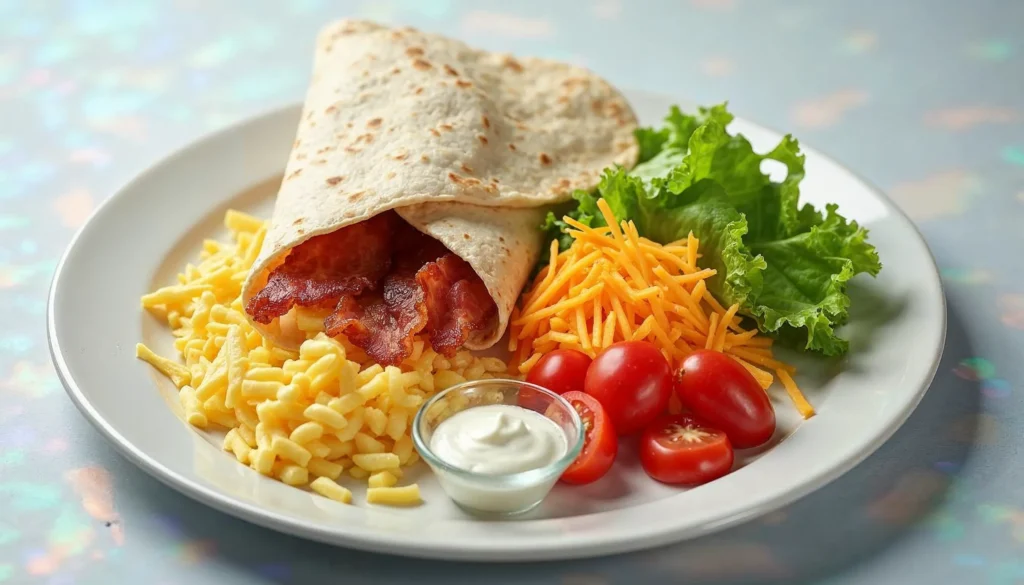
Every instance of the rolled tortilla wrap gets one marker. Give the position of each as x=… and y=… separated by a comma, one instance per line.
x=467, y=146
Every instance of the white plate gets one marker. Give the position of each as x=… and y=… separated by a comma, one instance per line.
x=140, y=237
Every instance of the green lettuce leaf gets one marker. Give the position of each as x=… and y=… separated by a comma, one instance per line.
x=805, y=284
x=651, y=142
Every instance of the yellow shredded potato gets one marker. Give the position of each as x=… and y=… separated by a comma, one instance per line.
x=328, y=489
x=303, y=417
x=612, y=285
x=408, y=495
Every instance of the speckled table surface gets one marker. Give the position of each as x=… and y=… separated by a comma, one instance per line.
x=923, y=97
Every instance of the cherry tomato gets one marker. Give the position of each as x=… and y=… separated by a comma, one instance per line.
x=681, y=449
x=600, y=445
x=718, y=389
x=633, y=382
x=560, y=371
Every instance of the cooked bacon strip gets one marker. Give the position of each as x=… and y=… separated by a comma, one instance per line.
x=445, y=297
x=457, y=302
x=382, y=325
x=319, y=271
x=386, y=281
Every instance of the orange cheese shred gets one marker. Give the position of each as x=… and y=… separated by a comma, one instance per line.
x=712, y=330
x=763, y=378
x=805, y=408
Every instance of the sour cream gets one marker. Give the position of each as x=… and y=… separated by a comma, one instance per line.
x=497, y=440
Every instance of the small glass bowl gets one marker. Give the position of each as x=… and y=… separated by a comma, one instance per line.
x=493, y=494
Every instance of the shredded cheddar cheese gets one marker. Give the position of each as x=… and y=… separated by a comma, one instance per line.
x=613, y=285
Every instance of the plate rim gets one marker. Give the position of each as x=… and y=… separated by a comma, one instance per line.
x=248, y=512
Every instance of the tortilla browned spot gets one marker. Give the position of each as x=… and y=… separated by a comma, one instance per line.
x=513, y=65
x=464, y=181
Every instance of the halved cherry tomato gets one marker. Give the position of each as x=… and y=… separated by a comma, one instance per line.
x=633, y=382
x=600, y=445
x=718, y=389
x=681, y=449
x=560, y=371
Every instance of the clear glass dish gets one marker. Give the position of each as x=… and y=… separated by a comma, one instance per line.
x=493, y=494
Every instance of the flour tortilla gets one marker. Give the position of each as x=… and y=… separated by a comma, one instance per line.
x=468, y=146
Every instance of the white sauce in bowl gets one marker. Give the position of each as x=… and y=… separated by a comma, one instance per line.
x=498, y=439
x=492, y=445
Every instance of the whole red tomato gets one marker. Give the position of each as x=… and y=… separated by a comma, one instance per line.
x=719, y=390
x=560, y=371
x=633, y=381
x=681, y=449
